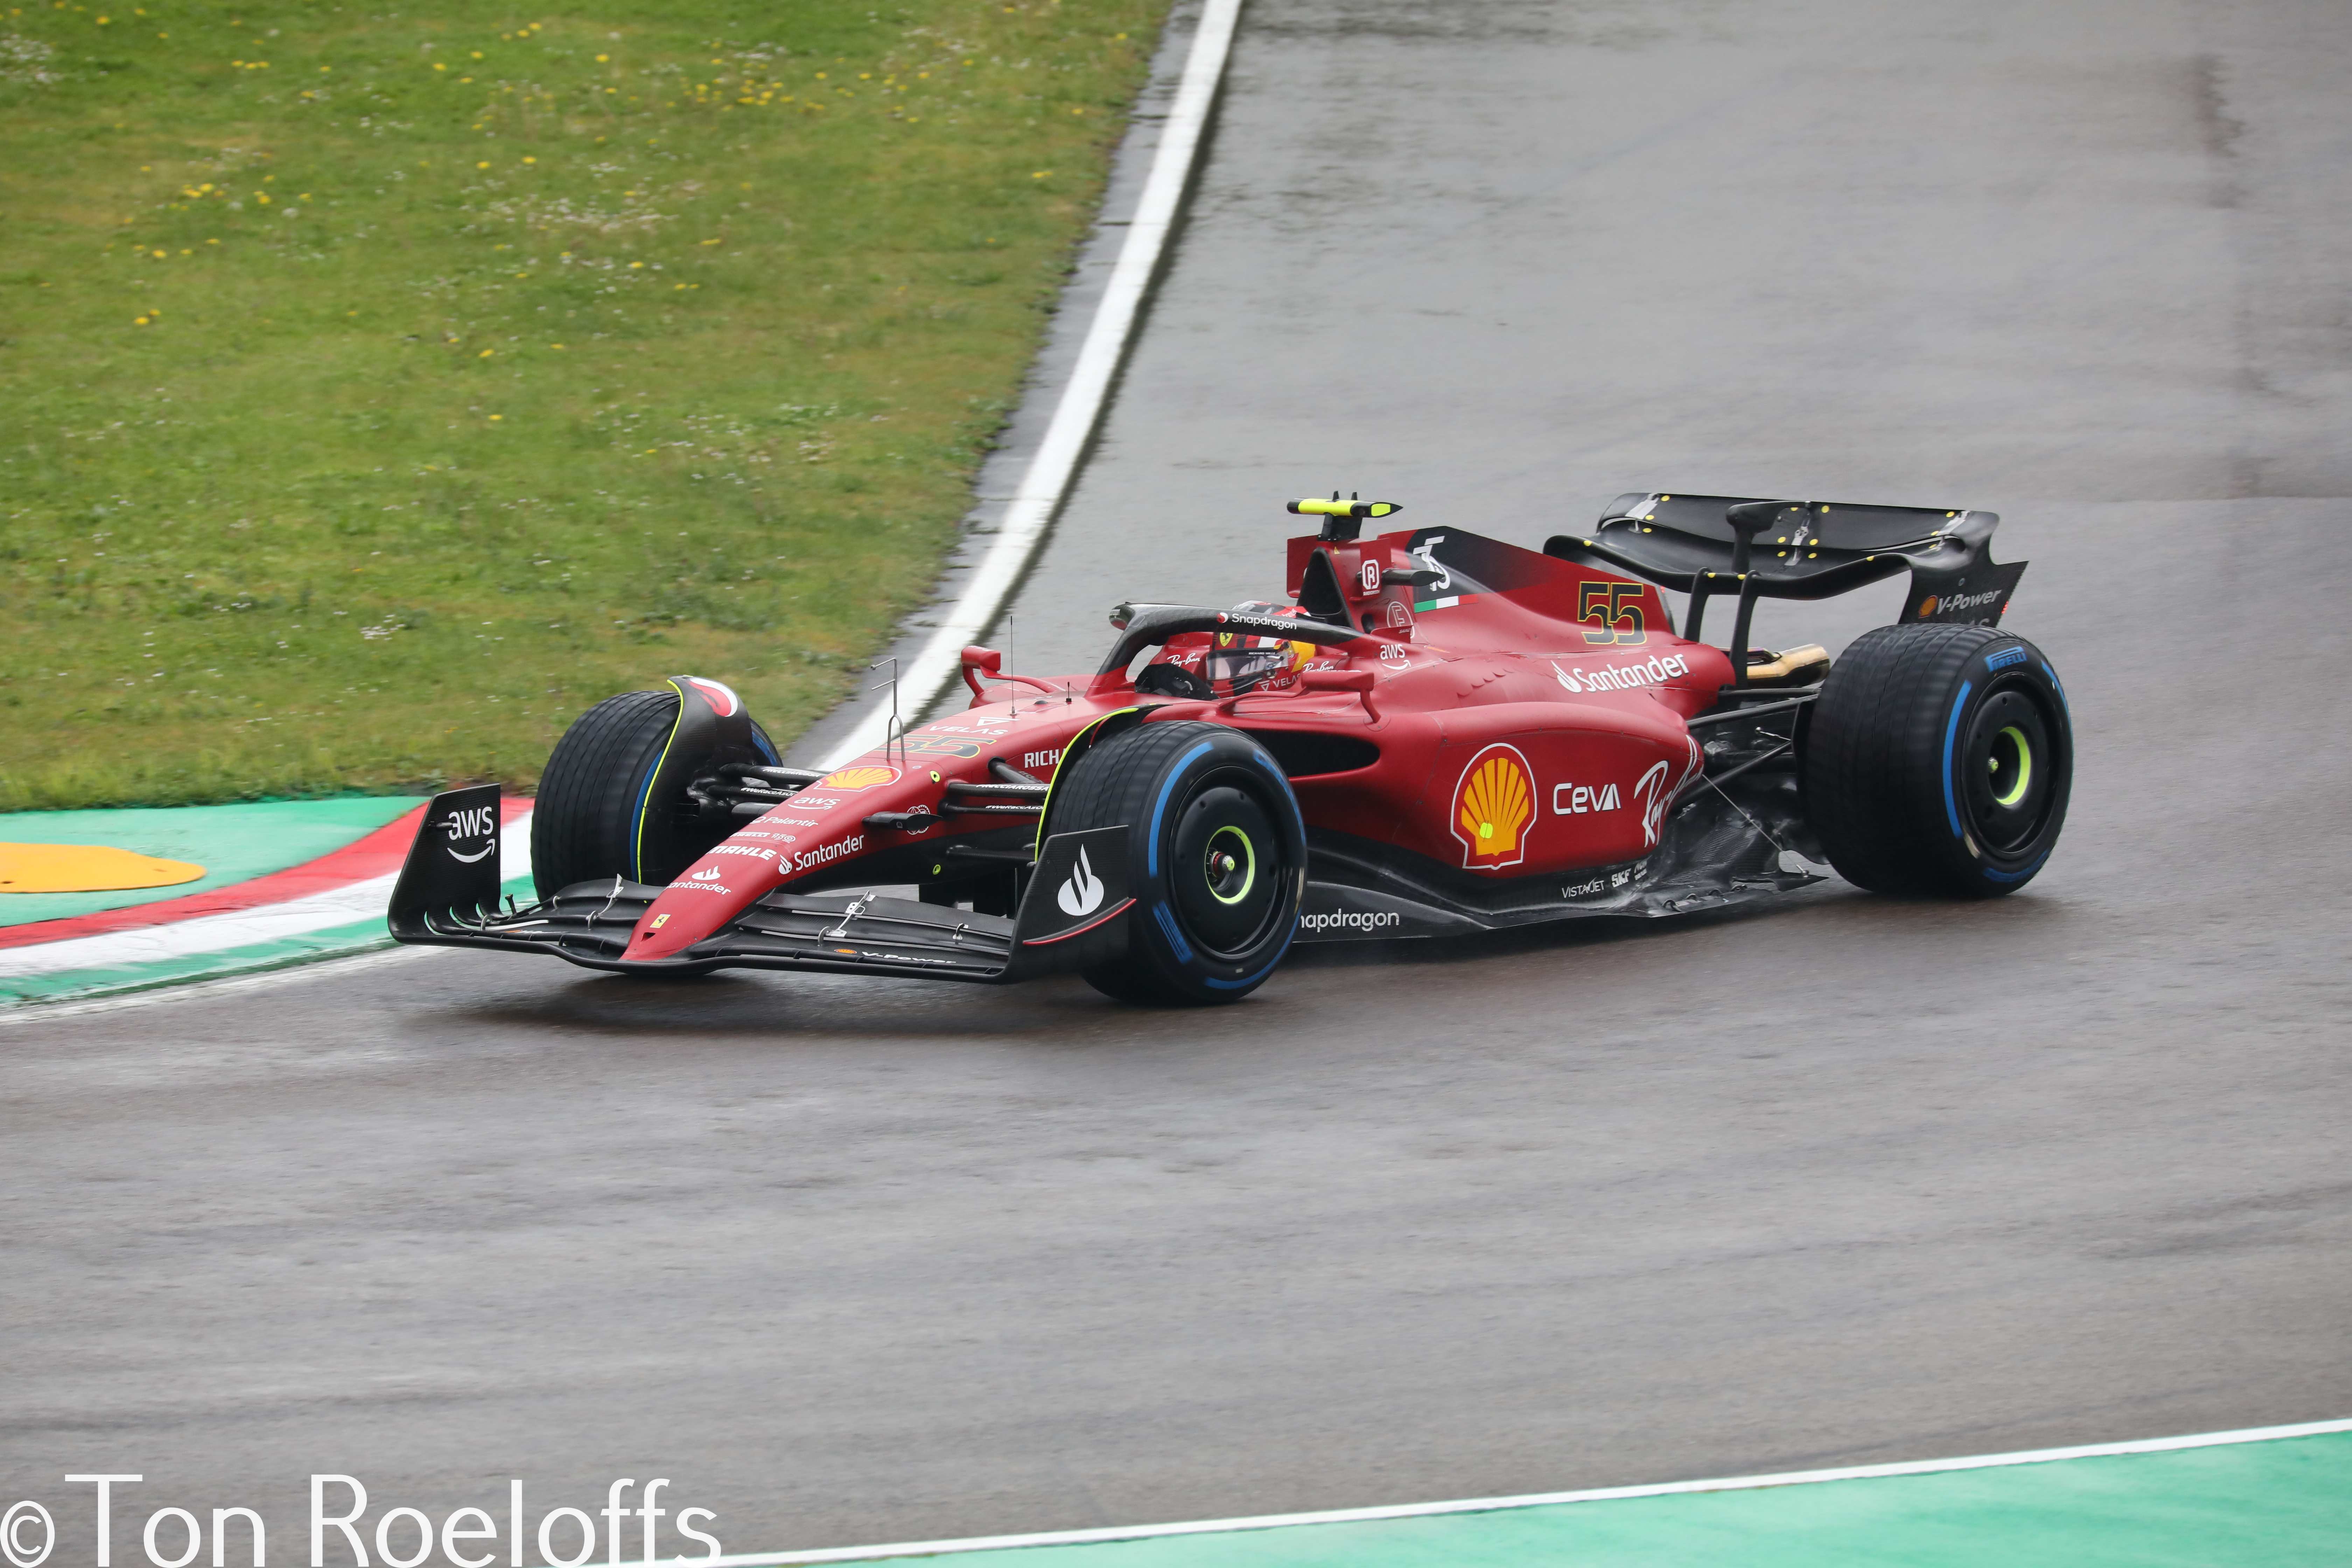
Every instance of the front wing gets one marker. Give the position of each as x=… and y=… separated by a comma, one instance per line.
x=447, y=896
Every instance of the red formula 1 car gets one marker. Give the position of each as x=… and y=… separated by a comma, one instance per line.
x=1434, y=734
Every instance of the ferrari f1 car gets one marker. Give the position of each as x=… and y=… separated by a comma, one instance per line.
x=1432, y=734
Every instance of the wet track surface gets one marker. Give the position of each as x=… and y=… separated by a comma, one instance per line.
x=1835, y=1180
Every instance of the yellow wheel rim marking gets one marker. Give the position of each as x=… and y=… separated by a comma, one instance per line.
x=2016, y=738
x=1249, y=863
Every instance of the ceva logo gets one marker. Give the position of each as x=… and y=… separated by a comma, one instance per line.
x=1083, y=893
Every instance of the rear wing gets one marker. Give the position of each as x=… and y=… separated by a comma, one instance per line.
x=1709, y=545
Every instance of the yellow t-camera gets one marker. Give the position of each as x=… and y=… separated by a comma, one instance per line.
x=1315, y=507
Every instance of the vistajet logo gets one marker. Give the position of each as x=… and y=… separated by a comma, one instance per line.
x=401, y=1536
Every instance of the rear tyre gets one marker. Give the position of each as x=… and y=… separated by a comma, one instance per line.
x=1216, y=858
x=1938, y=760
x=594, y=820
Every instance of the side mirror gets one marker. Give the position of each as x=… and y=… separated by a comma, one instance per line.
x=986, y=660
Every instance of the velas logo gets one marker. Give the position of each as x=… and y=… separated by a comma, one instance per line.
x=473, y=822
x=723, y=698
x=854, y=779
x=1494, y=805
x=1083, y=893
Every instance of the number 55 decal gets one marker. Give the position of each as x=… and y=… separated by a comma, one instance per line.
x=1614, y=608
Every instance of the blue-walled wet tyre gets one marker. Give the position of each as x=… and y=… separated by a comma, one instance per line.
x=1938, y=760
x=1217, y=854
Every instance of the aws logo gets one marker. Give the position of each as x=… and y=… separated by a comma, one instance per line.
x=473, y=822
x=1494, y=807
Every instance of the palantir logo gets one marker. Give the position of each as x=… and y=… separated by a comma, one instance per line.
x=1083, y=893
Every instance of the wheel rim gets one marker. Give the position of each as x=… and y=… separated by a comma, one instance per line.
x=2009, y=770
x=1225, y=866
x=1231, y=866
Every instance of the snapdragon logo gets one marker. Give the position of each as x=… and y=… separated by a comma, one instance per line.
x=1348, y=920
x=398, y=1537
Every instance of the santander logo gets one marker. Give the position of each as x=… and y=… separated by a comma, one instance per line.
x=712, y=875
x=723, y=698
x=1083, y=893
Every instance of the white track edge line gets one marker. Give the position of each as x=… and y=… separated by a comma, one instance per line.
x=1041, y=489
x=195, y=988
x=1495, y=1505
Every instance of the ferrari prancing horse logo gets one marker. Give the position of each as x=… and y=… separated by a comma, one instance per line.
x=1494, y=807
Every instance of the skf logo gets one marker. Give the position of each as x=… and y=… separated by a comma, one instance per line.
x=1083, y=893
x=1494, y=805
x=474, y=822
x=854, y=779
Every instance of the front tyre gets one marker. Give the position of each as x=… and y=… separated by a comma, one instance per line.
x=611, y=799
x=1938, y=760
x=1217, y=851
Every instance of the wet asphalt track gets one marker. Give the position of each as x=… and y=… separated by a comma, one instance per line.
x=1840, y=1182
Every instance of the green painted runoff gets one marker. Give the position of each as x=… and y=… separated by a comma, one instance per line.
x=231, y=843
x=2283, y=1503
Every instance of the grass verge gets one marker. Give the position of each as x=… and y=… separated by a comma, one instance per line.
x=379, y=389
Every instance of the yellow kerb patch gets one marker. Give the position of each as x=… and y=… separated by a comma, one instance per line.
x=86, y=868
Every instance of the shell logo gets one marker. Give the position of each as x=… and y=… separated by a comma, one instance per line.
x=1494, y=808
x=857, y=778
